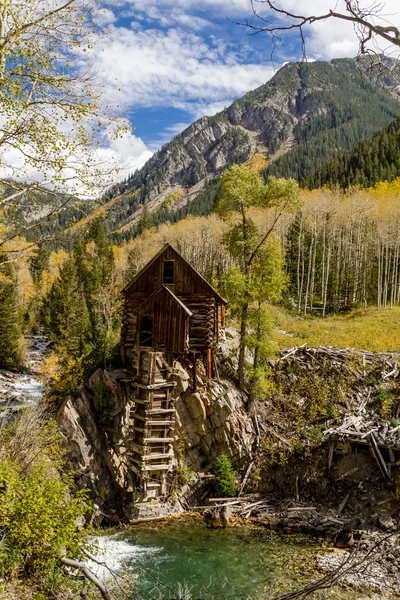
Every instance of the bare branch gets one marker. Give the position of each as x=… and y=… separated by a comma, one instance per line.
x=279, y=20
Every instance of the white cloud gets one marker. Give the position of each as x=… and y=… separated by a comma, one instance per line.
x=333, y=37
x=175, y=68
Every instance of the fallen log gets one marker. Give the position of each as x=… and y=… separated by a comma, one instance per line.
x=75, y=564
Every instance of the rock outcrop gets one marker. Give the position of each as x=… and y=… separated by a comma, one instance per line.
x=95, y=427
x=308, y=105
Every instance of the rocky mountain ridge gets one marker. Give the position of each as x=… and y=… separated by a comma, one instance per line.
x=332, y=104
x=307, y=114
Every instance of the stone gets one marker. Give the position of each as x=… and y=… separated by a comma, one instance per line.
x=96, y=379
x=196, y=406
x=386, y=521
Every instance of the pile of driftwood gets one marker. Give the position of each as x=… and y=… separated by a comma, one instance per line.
x=298, y=516
x=357, y=361
x=360, y=427
x=367, y=373
x=370, y=378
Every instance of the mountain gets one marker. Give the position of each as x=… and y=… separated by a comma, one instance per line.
x=41, y=214
x=370, y=161
x=305, y=115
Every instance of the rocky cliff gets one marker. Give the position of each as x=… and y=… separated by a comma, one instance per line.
x=95, y=428
x=310, y=111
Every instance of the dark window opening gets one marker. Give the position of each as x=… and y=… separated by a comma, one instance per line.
x=146, y=331
x=168, y=273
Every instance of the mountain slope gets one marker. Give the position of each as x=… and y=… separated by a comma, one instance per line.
x=306, y=114
x=370, y=161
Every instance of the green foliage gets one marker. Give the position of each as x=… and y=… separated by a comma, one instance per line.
x=38, y=506
x=81, y=311
x=102, y=406
x=67, y=377
x=370, y=161
x=183, y=473
x=38, y=59
x=257, y=276
x=386, y=402
x=145, y=220
x=65, y=311
x=225, y=482
x=39, y=516
x=239, y=189
x=39, y=263
x=10, y=316
x=352, y=109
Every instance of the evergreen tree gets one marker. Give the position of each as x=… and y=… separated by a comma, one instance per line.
x=39, y=262
x=65, y=312
x=225, y=483
x=145, y=220
x=10, y=316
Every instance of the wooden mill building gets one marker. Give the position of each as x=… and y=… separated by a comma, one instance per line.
x=170, y=312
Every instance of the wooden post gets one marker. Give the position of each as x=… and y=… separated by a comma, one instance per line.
x=330, y=454
x=194, y=373
x=209, y=363
x=376, y=453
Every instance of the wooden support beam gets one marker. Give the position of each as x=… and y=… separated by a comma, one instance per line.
x=209, y=363
x=155, y=386
x=376, y=453
x=330, y=454
x=194, y=373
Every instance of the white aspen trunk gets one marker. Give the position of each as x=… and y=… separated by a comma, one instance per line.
x=308, y=274
x=323, y=263
x=328, y=262
x=299, y=253
x=379, y=277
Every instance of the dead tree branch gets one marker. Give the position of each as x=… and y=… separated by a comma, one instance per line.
x=270, y=17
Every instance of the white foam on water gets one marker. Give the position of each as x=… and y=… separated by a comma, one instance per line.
x=29, y=386
x=114, y=552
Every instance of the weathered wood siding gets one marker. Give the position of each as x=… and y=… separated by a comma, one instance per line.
x=170, y=323
x=186, y=279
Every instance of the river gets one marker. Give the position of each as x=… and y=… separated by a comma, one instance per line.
x=190, y=561
x=19, y=389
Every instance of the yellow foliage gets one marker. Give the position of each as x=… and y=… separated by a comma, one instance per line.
x=64, y=374
x=369, y=329
x=172, y=198
x=257, y=162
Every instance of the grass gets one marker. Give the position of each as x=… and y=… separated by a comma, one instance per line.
x=369, y=329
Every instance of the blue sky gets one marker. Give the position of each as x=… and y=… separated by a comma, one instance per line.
x=169, y=62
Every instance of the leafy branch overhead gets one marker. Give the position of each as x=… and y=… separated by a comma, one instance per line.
x=53, y=113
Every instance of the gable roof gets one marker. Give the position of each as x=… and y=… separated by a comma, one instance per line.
x=160, y=253
x=161, y=289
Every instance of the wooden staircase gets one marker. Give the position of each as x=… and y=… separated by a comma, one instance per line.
x=152, y=420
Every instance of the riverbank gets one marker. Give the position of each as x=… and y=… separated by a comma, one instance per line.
x=245, y=558
x=363, y=556
x=24, y=388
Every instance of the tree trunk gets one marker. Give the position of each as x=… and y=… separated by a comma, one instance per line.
x=242, y=345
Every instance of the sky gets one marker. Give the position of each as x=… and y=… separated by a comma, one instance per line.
x=170, y=62
x=165, y=63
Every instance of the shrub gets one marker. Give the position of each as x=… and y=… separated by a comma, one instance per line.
x=102, y=402
x=225, y=482
x=38, y=507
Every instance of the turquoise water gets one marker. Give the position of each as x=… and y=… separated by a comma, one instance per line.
x=190, y=560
